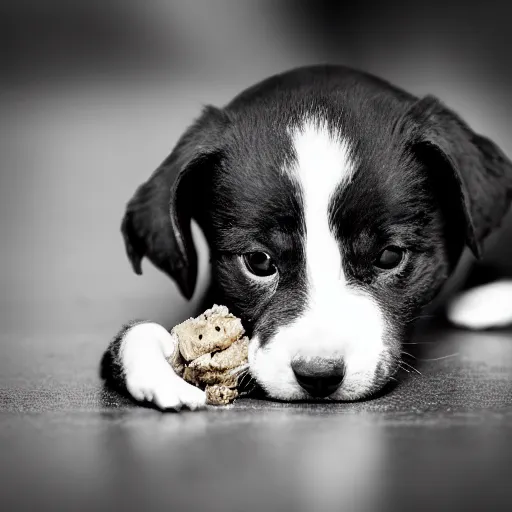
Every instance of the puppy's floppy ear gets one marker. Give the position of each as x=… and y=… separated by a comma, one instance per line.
x=483, y=174
x=157, y=219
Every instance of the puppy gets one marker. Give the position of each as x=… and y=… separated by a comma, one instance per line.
x=336, y=207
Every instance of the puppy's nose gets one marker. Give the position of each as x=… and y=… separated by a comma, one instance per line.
x=319, y=377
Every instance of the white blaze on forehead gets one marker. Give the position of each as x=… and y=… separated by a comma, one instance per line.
x=338, y=320
x=323, y=165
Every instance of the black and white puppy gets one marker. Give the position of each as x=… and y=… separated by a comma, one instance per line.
x=335, y=206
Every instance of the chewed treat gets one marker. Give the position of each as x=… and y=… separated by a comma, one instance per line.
x=211, y=352
x=220, y=395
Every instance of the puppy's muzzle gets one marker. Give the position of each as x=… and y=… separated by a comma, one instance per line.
x=320, y=377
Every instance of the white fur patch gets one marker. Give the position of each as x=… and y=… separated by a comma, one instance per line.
x=149, y=377
x=339, y=321
x=483, y=307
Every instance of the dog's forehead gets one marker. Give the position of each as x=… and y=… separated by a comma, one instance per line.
x=345, y=135
x=267, y=149
x=361, y=110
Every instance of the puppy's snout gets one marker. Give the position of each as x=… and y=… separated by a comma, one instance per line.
x=320, y=377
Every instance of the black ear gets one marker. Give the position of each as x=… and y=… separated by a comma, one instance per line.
x=482, y=172
x=157, y=219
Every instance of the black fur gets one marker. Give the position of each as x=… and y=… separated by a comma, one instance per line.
x=111, y=367
x=483, y=172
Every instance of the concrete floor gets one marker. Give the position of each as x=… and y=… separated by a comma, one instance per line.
x=436, y=441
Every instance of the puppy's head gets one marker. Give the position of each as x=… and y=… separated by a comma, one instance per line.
x=335, y=207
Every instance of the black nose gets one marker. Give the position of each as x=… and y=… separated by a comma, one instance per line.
x=319, y=377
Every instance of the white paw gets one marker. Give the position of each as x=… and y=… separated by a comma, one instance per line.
x=160, y=385
x=483, y=307
x=148, y=376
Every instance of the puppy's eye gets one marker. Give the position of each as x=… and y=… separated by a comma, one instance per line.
x=259, y=263
x=390, y=257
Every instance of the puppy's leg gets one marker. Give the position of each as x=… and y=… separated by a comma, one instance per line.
x=137, y=361
x=483, y=307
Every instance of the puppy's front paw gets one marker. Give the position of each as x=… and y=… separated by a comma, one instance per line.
x=148, y=376
x=161, y=386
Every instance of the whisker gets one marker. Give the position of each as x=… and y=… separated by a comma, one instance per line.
x=248, y=379
x=248, y=387
x=440, y=358
x=412, y=368
x=421, y=317
x=246, y=382
x=242, y=379
x=407, y=354
x=239, y=369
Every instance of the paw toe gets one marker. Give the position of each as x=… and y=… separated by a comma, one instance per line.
x=192, y=397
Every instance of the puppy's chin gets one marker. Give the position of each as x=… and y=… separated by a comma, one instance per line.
x=270, y=365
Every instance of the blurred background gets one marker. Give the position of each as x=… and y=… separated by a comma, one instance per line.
x=94, y=94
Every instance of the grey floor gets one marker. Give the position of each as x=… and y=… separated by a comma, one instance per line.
x=441, y=440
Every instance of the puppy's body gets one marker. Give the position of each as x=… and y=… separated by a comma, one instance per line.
x=336, y=207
